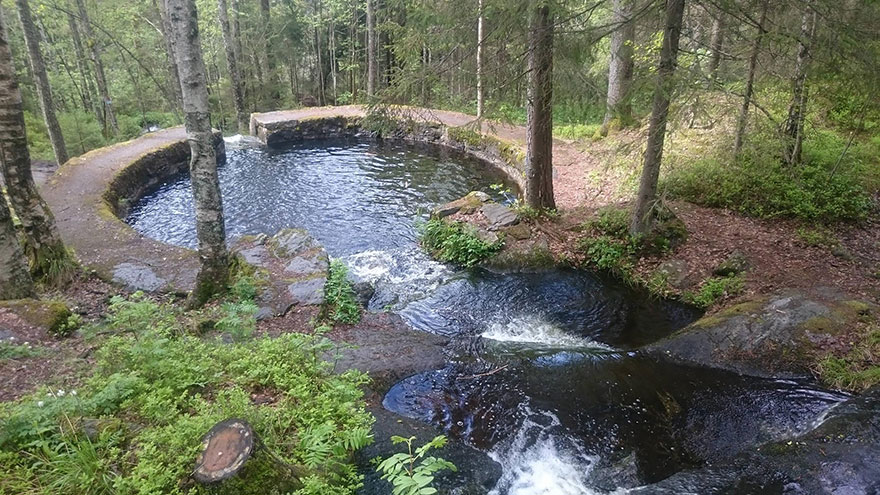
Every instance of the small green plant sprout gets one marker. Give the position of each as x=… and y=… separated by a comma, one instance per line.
x=410, y=472
x=340, y=303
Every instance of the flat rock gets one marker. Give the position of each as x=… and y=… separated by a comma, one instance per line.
x=293, y=266
x=499, y=216
x=467, y=204
x=136, y=276
x=675, y=272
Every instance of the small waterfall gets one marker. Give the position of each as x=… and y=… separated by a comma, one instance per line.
x=398, y=276
x=533, y=329
x=542, y=460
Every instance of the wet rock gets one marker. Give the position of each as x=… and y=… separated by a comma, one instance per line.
x=735, y=264
x=487, y=236
x=675, y=272
x=498, y=216
x=293, y=266
x=136, y=276
x=773, y=337
x=611, y=476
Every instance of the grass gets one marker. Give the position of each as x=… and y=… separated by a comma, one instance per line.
x=855, y=370
x=134, y=427
x=714, y=289
x=10, y=351
x=456, y=242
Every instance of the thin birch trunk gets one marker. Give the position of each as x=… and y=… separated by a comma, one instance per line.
x=480, y=101
x=371, y=50
x=794, y=124
x=214, y=273
x=100, y=77
x=232, y=62
x=743, y=120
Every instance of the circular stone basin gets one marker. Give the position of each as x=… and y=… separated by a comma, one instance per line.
x=351, y=195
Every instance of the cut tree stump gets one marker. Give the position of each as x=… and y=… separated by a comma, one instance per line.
x=225, y=449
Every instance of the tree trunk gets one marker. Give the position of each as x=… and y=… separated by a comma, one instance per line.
x=214, y=272
x=794, y=124
x=371, y=49
x=539, y=133
x=41, y=78
x=272, y=79
x=480, y=101
x=620, y=70
x=750, y=82
x=331, y=48
x=232, y=62
x=100, y=77
x=715, y=44
x=15, y=281
x=43, y=245
x=643, y=213
x=165, y=26
x=85, y=73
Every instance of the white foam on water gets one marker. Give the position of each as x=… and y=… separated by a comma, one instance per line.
x=533, y=329
x=242, y=141
x=539, y=461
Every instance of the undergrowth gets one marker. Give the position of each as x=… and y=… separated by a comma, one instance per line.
x=340, y=304
x=713, y=289
x=456, y=242
x=135, y=425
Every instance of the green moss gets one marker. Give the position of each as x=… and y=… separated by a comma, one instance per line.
x=824, y=324
x=49, y=315
x=465, y=136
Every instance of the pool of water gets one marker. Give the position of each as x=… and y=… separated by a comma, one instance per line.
x=352, y=196
x=542, y=371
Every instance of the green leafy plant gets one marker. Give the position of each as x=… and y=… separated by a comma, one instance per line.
x=456, y=242
x=340, y=304
x=9, y=350
x=816, y=237
x=410, y=472
x=69, y=326
x=714, y=288
x=238, y=320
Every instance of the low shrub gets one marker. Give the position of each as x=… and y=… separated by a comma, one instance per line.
x=135, y=425
x=456, y=242
x=713, y=289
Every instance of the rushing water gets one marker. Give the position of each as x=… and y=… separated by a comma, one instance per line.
x=542, y=375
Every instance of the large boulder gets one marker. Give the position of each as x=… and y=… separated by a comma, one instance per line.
x=775, y=336
x=295, y=268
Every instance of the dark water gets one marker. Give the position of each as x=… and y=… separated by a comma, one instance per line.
x=541, y=372
x=352, y=196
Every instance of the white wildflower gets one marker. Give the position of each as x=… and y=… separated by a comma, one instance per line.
x=60, y=392
x=40, y=404
x=73, y=392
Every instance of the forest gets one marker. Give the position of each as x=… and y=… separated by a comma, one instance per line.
x=523, y=247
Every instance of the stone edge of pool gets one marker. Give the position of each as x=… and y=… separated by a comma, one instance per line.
x=91, y=194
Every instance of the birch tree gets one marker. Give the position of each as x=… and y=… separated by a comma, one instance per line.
x=43, y=245
x=109, y=117
x=232, y=63
x=371, y=49
x=214, y=272
x=794, y=124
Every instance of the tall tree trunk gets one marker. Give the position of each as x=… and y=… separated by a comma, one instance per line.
x=268, y=47
x=620, y=69
x=85, y=73
x=643, y=213
x=214, y=272
x=480, y=101
x=716, y=42
x=331, y=49
x=41, y=78
x=100, y=77
x=164, y=25
x=232, y=62
x=750, y=82
x=372, y=69
x=794, y=124
x=539, y=133
x=43, y=245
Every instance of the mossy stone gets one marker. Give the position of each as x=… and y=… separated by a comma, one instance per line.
x=48, y=315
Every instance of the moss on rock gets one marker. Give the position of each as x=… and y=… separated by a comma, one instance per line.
x=50, y=316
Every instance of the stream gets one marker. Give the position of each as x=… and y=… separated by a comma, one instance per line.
x=542, y=371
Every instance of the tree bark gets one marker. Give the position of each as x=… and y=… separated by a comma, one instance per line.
x=716, y=42
x=100, y=77
x=41, y=78
x=371, y=49
x=15, y=281
x=620, y=70
x=480, y=101
x=169, y=51
x=750, y=82
x=272, y=79
x=85, y=73
x=539, y=132
x=43, y=245
x=214, y=272
x=232, y=62
x=643, y=213
x=794, y=124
